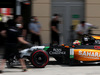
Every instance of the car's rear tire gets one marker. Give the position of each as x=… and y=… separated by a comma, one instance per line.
x=39, y=58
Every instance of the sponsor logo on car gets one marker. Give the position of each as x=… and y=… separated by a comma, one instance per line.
x=57, y=51
x=89, y=54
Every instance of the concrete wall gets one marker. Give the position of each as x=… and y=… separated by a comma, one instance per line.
x=42, y=9
x=93, y=13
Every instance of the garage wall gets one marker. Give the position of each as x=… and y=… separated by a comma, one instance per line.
x=93, y=13
x=42, y=9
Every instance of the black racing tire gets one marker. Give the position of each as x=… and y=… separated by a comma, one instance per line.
x=39, y=58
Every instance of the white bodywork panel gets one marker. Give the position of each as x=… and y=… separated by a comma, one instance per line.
x=27, y=52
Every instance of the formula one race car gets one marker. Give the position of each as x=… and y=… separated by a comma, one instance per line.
x=39, y=55
x=89, y=50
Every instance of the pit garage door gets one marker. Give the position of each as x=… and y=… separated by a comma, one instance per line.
x=71, y=13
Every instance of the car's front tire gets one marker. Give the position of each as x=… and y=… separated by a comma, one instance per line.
x=39, y=58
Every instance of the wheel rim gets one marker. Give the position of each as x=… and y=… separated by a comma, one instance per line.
x=40, y=58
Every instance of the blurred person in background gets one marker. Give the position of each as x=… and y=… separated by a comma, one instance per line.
x=2, y=27
x=12, y=35
x=82, y=29
x=54, y=29
x=35, y=29
x=20, y=29
x=19, y=21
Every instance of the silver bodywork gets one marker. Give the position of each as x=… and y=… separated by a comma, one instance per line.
x=27, y=52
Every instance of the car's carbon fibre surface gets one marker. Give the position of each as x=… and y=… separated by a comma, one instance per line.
x=88, y=47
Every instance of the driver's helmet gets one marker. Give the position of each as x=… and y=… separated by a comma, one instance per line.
x=77, y=42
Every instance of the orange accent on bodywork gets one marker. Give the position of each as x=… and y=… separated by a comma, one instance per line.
x=62, y=45
x=87, y=54
x=96, y=37
x=66, y=46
